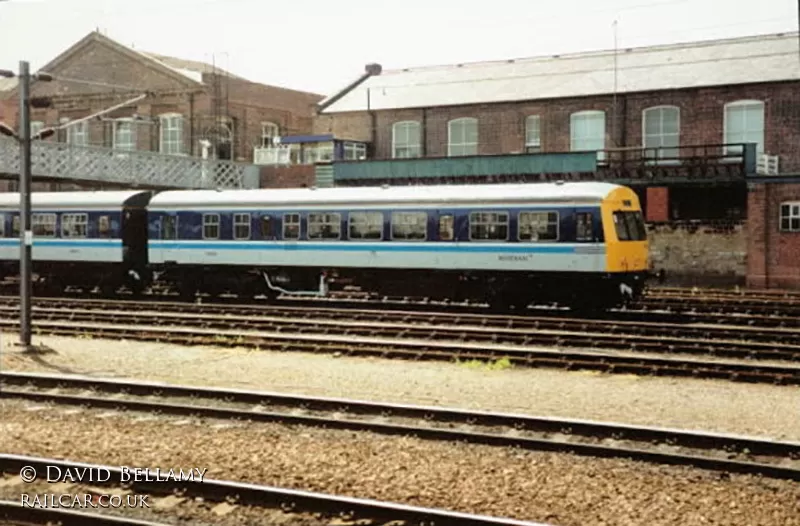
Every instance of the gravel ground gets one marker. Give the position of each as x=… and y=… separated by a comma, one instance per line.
x=559, y=489
x=672, y=402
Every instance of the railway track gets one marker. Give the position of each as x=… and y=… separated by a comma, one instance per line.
x=722, y=341
x=236, y=494
x=728, y=453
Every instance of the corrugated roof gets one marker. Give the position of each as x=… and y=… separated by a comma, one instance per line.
x=764, y=58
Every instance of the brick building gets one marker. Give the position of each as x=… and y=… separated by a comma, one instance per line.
x=189, y=103
x=674, y=106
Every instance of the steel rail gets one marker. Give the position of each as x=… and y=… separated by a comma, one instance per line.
x=270, y=496
x=19, y=514
x=259, y=401
x=609, y=361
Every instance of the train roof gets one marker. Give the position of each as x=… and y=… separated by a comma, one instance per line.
x=583, y=192
x=78, y=200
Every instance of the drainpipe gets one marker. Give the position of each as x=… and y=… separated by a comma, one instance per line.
x=767, y=231
x=191, y=123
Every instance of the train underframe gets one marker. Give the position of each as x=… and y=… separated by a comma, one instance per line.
x=53, y=277
x=503, y=291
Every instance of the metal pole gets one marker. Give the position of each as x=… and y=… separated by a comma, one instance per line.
x=26, y=235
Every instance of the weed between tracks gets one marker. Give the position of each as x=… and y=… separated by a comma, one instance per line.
x=500, y=364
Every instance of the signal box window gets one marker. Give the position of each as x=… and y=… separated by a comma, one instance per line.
x=790, y=217
x=104, y=226
x=74, y=225
x=584, y=230
x=291, y=226
x=446, y=229
x=488, y=226
x=241, y=226
x=366, y=225
x=409, y=225
x=629, y=226
x=210, y=226
x=44, y=225
x=169, y=227
x=324, y=226
x=538, y=226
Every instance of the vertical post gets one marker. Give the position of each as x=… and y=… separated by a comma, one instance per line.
x=26, y=234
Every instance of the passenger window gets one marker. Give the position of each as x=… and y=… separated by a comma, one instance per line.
x=324, y=226
x=44, y=225
x=241, y=226
x=291, y=226
x=366, y=225
x=488, y=226
x=210, y=226
x=169, y=227
x=409, y=225
x=583, y=227
x=103, y=227
x=266, y=227
x=538, y=226
x=446, y=229
x=74, y=225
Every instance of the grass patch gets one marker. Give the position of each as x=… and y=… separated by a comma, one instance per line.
x=500, y=364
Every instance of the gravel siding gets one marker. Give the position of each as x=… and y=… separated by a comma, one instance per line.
x=559, y=489
x=687, y=403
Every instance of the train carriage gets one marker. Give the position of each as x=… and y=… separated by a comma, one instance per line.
x=582, y=244
x=80, y=239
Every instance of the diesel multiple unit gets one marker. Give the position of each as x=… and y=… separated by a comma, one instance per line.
x=578, y=244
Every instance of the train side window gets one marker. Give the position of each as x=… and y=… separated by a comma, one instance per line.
x=44, y=225
x=169, y=227
x=15, y=226
x=210, y=226
x=104, y=226
x=291, y=226
x=241, y=226
x=538, y=226
x=488, y=226
x=74, y=225
x=446, y=227
x=324, y=226
x=584, y=230
x=2, y=225
x=366, y=225
x=409, y=225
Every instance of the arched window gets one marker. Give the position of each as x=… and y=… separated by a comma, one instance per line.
x=744, y=122
x=661, y=129
x=406, y=137
x=462, y=137
x=533, y=138
x=587, y=130
x=171, y=134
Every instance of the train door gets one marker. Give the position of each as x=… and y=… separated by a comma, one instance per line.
x=168, y=231
x=133, y=231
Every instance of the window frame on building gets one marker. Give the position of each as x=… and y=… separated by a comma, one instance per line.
x=36, y=127
x=268, y=137
x=789, y=217
x=667, y=152
x=403, y=147
x=166, y=145
x=583, y=147
x=130, y=144
x=77, y=134
x=533, y=134
x=354, y=151
x=740, y=136
x=465, y=146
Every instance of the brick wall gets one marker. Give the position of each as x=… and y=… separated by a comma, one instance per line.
x=700, y=253
x=773, y=257
x=294, y=176
x=501, y=127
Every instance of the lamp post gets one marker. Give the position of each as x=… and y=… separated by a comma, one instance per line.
x=26, y=233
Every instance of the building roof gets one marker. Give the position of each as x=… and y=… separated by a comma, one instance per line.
x=452, y=195
x=763, y=58
x=191, y=68
x=7, y=84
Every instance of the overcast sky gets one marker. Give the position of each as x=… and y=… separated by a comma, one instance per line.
x=320, y=46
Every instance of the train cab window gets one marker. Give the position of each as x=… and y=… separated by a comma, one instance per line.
x=241, y=226
x=324, y=226
x=629, y=226
x=104, y=226
x=15, y=226
x=538, y=226
x=366, y=225
x=409, y=225
x=488, y=226
x=291, y=226
x=210, y=226
x=446, y=228
x=2, y=225
x=74, y=225
x=584, y=229
x=169, y=227
x=44, y=225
